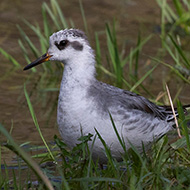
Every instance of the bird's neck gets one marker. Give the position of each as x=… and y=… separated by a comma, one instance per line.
x=79, y=73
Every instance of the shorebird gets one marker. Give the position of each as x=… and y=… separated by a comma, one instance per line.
x=85, y=104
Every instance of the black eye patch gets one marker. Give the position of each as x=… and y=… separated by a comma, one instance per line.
x=62, y=44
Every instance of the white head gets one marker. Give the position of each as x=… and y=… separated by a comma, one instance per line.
x=69, y=46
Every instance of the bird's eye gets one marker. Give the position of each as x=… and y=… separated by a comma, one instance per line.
x=62, y=44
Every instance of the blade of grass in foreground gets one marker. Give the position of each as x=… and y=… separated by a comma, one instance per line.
x=111, y=161
x=183, y=123
x=36, y=122
x=121, y=140
x=27, y=159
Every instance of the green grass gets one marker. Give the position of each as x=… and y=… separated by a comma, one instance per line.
x=175, y=17
x=14, y=147
x=155, y=169
x=164, y=166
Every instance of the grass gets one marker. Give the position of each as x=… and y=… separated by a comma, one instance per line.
x=36, y=122
x=175, y=17
x=174, y=24
x=164, y=166
x=14, y=147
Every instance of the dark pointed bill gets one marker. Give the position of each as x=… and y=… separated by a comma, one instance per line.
x=41, y=59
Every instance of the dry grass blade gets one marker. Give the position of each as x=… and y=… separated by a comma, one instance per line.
x=160, y=95
x=172, y=106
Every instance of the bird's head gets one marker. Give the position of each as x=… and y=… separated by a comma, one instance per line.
x=67, y=46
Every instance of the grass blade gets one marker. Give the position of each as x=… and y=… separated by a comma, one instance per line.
x=47, y=29
x=60, y=13
x=9, y=57
x=29, y=42
x=172, y=68
x=137, y=57
x=25, y=54
x=107, y=151
x=143, y=78
x=98, y=50
x=83, y=17
x=53, y=17
x=183, y=123
x=114, y=54
x=135, y=50
x=186, y=61
x=178, y=7
x=121, y=141
x=27, y=159
x=36, y=122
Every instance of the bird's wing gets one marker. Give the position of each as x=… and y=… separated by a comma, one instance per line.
x=109, y=96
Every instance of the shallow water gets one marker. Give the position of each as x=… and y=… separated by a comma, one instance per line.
x=132, y=17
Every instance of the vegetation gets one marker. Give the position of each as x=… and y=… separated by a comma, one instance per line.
x=164, y=166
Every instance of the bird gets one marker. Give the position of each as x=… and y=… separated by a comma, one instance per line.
x=86, y=105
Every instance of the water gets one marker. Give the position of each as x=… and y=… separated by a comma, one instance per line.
x=131, y=16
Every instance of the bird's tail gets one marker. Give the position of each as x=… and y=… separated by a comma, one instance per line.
x=168, y=111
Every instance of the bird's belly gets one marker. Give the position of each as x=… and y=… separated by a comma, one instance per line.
x=76, y=121
x=72, y=125
x=71, y=130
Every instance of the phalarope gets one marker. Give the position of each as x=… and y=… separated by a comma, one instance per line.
x=86, y=103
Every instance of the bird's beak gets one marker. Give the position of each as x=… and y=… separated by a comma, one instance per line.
x=41, y=59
